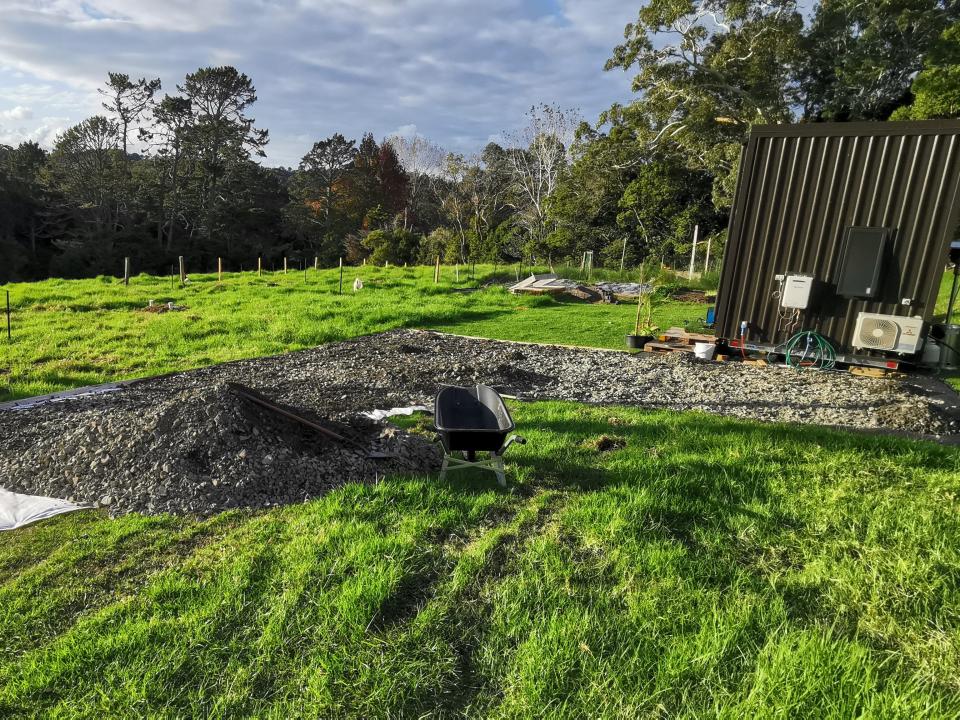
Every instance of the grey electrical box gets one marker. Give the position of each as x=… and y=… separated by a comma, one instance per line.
x=862, y=262
x=796, y=291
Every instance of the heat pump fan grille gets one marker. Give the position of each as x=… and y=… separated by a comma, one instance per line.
x=878, y=334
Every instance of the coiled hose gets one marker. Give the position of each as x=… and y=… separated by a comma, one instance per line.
x=809, y=349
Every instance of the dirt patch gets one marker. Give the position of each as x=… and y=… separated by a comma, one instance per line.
x=605, y=443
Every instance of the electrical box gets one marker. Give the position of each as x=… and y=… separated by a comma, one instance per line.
x=862, y=261
x=796, y=292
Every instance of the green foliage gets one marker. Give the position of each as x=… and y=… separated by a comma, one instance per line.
x=936, y=89
x=859, y=58
x=395, y=247
x=705, y=73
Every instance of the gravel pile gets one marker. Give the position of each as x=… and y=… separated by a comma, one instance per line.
x=191, y=450
x=186, y=444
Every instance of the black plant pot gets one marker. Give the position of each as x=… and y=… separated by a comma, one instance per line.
x=636, y=342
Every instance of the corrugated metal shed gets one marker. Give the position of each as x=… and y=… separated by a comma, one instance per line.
x=802, y=186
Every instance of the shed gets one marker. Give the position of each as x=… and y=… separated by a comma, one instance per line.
x=858, y=215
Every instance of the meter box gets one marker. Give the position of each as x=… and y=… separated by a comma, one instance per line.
x=797, y=290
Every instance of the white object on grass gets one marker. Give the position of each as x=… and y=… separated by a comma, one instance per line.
x=18, y=510
x=384, y=414
x=357, y=284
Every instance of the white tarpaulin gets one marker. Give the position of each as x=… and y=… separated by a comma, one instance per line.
x=384, y=414
x=18, y=510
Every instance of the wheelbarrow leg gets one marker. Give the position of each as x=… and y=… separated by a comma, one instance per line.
x=498, y=469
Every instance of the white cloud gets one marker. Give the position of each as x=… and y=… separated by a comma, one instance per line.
x=45, y=132
x=455, y=71
x=18, y=113
x=406, y=131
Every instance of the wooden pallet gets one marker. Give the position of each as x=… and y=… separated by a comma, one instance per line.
x=667, y=347
x=676, y=340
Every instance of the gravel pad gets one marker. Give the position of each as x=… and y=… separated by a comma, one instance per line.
x=185, y=443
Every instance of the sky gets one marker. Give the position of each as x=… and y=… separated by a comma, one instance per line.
x=459, y=72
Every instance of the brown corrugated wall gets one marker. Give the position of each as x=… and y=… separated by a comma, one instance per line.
x=801, y=186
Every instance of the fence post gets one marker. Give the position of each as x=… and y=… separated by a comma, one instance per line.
x=284, y=264
x=341, y=275
x=126, y=271
x=183, y=271
x=693, y=251
x=706, y=265
x=259, y=266
x=316, y=263
x=436, y=271
x=219, y=269
x=9, y=334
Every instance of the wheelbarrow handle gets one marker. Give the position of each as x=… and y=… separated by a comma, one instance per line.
x=519, y=439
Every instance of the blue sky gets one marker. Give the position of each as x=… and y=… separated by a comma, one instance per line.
x=459, y=72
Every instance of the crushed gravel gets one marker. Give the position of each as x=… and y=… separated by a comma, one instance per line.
x=185, y=443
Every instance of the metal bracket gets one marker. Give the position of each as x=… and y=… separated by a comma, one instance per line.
x=494, y=464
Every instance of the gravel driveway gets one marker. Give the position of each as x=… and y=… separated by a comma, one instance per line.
x=184, y=443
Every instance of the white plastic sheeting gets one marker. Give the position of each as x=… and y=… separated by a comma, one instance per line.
x=384, y=414
x=18, y=510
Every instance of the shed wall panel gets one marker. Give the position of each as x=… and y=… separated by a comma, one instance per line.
x=802, y=186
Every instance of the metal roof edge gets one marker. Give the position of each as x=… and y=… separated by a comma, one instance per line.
x=873, y=128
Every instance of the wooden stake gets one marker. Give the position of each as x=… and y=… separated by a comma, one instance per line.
x=693, y=250
x=636, y=329
x=457, y=270
x=316, y=263
x=219, y=269
x=436, y=272
x=706, y=264
x=9, y=334
x=341, y=276
x=259, y=266
x=126, y=271
x=284, y=264
x=183, y=271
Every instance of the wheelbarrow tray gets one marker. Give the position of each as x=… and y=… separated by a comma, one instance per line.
x=471, y=419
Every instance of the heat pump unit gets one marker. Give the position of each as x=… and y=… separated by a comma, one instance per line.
x=892, y=333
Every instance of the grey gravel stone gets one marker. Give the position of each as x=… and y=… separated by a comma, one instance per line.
x=185, y=444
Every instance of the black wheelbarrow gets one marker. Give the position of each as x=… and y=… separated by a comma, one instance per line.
x=471, y=420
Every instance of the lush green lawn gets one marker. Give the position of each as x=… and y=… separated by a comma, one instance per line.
x=69, y=333
x=709, y=568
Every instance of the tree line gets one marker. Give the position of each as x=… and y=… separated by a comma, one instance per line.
x=154, y=177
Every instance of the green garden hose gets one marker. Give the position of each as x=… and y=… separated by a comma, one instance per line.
x=809, y=349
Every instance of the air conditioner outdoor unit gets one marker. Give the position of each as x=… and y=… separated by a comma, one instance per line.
x=892, y=333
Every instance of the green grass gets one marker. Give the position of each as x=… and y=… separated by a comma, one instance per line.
x=709, y=568
x=69, y=333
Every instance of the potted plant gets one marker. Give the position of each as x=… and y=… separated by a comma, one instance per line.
x=643, y=329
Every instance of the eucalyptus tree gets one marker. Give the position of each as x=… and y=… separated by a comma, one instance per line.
x=705, y=70
x=538, y=157
x=936, y=89
x=422, y=161
x=860, y=58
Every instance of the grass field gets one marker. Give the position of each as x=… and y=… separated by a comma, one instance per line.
x=707, y=568
x=69, y=333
